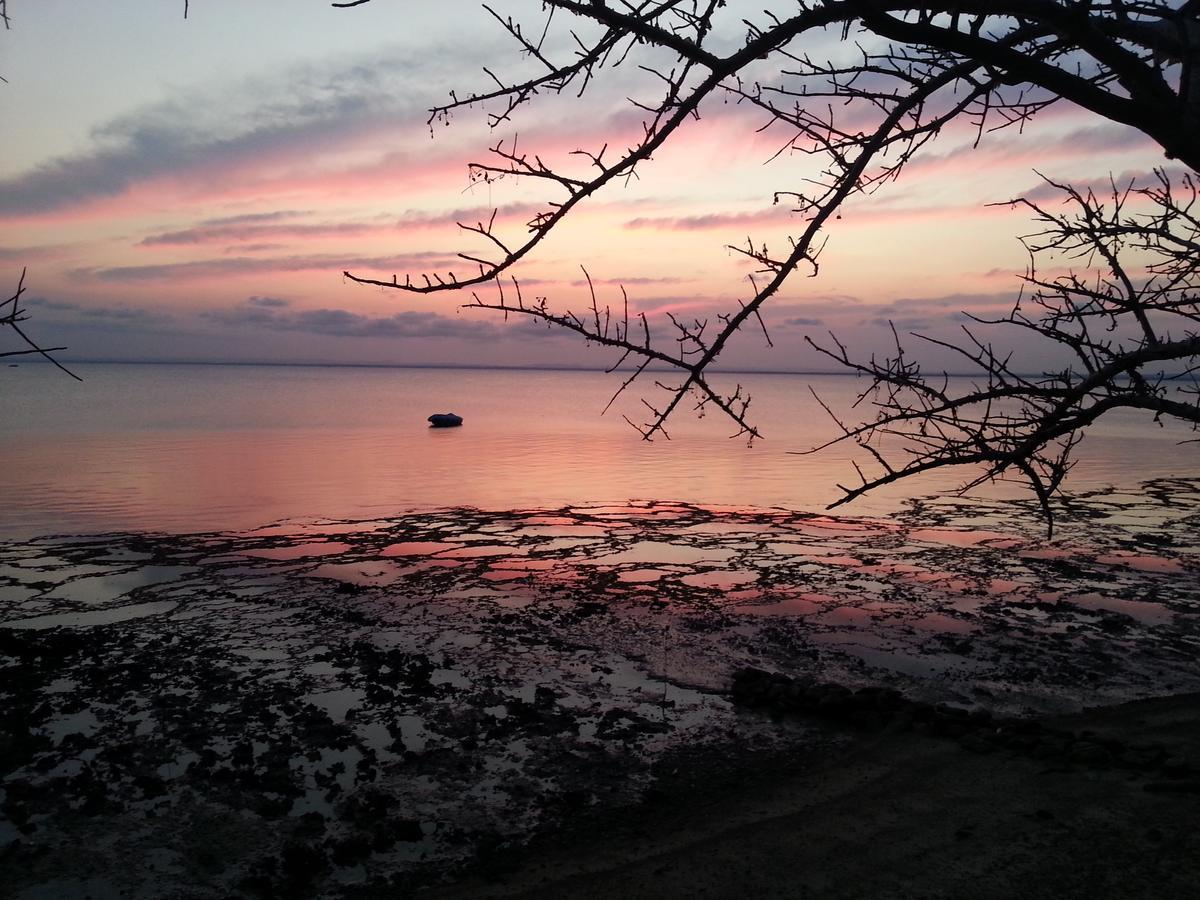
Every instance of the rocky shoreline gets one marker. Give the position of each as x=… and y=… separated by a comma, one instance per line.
x=356, y=708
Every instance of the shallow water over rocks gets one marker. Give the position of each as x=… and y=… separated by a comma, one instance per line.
x=307, y=708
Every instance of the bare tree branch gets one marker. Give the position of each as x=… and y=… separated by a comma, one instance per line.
x=11, y=315
x=920, y=67
x=1123, y=325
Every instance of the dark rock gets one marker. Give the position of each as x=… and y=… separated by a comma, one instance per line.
x=1088, y=754
x=1116, y=623
x=351, y=850
x=310, y=825
x=243, y=754
x=1173, y=787
x=151, y=786
x=272, y=807
x=976, y=743
x=1176, y=766
x=301, y=862
x=868, y=719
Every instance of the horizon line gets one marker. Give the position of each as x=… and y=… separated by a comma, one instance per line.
x=425, y=365
x=352, y=365
x=482, y=367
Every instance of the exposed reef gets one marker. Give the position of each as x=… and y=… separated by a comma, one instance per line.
x=330, y=707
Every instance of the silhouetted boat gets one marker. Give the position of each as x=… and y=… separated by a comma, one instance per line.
x=445, y=420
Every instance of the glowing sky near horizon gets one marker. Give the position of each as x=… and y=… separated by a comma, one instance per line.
x=192, y=190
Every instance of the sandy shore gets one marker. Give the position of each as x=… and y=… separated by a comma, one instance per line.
x=898, y=815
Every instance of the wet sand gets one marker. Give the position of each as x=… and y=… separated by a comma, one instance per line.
x=365, y=708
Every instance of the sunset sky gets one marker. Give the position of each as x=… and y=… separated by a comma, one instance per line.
x=192, y=190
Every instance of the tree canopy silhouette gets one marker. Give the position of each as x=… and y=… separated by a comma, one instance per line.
x=1125, y=316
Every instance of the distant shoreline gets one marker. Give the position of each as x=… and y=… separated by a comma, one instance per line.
x=433, y=366
x=474, y=368
x=450, y=367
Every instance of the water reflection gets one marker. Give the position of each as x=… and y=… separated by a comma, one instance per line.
x=187, y=448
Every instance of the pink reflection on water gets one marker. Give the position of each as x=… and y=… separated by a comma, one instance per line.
x=958, y=538
x=634, y=510
x=573, y=530
x=478, y=552
x=895, y=568
x=1146, y=613
x=642, y=576
x=416, y=548
x=725, y=527
x=226, y=448
x=943, y=624
x=503, y=575
x=720, y=580
x=846, y=615
x=367, y=574
x=1052, y=553
x=515, y=599
x=915, y=574
x=314, y=529
x=787, y=606
x=298, y=551
x=944, y=580
x=743, y=596
x=664, y=552
x=1141, y=563
x=998, y=586
x=559, y=577
x=738, y=509
x=821, y=524
x=524, y=565
x=787, y=548
x=786, y=602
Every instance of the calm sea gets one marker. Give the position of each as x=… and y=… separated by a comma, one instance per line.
x=195, y=447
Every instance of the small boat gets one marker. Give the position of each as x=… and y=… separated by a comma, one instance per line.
x=445, y=420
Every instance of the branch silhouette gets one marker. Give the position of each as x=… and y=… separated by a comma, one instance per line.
x=918, y=67
x=12, y=314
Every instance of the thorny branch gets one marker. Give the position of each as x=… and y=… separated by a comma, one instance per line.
x=919, y=67
x=12, y=314
x=1132, y=308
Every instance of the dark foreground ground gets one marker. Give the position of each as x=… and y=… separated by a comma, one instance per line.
x=541, y=702
x=903, y=815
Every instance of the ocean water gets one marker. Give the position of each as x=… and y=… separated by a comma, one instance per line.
x=181, y=448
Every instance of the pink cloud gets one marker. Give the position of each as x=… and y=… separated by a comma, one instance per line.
x=710, y=221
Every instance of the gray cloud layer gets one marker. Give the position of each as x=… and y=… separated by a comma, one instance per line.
x=308, y=108
x=343, y=323
x=241, y=265
x=279, y=224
